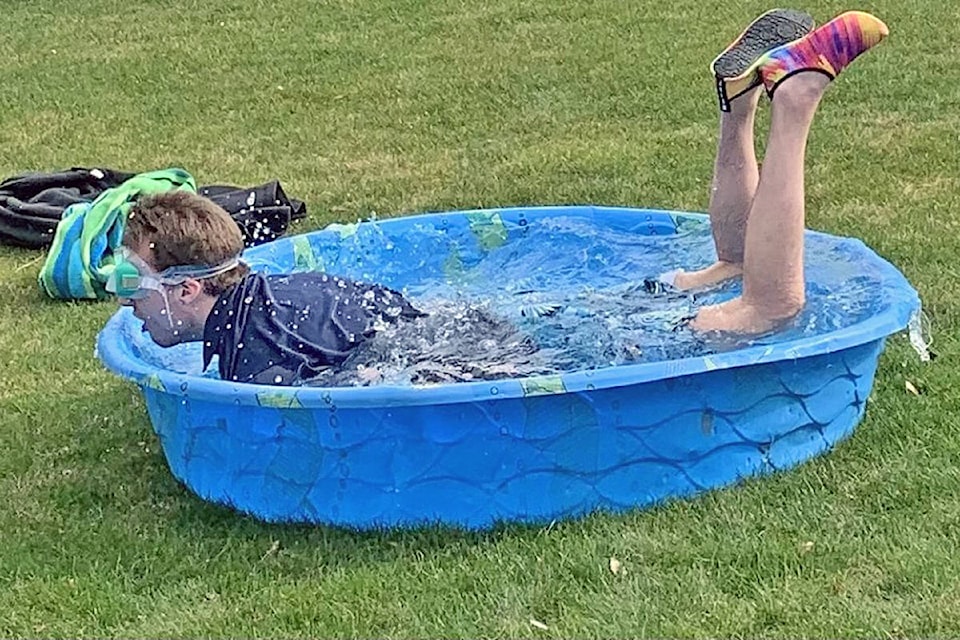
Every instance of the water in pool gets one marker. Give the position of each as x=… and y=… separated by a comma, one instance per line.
x=564, y=295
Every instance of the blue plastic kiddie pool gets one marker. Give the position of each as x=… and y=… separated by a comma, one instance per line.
x=530, y=449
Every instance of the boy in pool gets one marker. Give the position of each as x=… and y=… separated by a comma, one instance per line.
x=180, y=268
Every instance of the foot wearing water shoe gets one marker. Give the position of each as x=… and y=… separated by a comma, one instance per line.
x=735, y=69
x=828, y=49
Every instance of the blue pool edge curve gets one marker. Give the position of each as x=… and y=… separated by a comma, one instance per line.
x=891, y=321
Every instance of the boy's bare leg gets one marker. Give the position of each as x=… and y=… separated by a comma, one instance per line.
x=735, y=174
x=773, y=285
x=735, y=178
x=796, y=76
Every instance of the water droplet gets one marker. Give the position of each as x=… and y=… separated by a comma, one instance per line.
x=229, y=326
x=248, y=300
x=239, y=345
x=278, y=379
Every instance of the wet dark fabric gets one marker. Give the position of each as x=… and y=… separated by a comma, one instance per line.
x=282, y=330
x=263, y=213
x=32, y=204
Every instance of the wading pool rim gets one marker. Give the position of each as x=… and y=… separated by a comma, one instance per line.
x=894, y=316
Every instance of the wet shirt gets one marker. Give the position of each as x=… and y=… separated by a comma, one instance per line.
x=285, y=329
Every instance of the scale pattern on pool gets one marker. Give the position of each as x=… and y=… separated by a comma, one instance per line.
x=527, y=459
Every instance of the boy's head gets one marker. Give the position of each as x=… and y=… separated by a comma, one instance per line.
x=181, y=228
x=189, y=246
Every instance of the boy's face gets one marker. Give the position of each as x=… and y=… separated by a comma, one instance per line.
x=152, y=311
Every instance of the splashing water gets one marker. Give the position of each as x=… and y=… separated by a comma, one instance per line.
x=457, y=341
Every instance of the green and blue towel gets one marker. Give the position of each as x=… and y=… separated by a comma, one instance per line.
x=81, y=257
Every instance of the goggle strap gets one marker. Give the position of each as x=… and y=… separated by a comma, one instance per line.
x=175, y=275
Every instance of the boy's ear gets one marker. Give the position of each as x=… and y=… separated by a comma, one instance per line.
x=190, y=290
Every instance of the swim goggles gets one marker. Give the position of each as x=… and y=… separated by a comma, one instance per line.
x=133, y=278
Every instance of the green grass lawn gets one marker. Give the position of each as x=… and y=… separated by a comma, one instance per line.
x=401, y=106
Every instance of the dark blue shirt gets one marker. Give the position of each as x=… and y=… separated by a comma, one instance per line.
x=285, y=329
